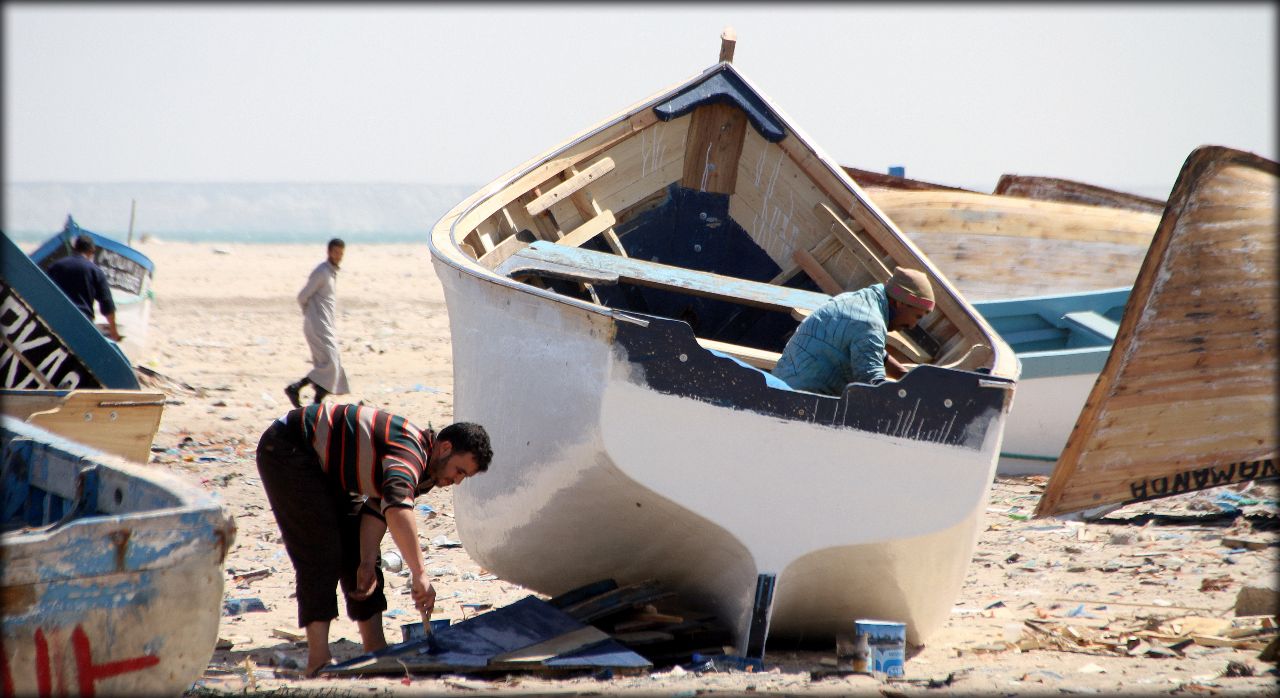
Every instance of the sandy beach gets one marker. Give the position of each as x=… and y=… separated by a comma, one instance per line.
x=225, y=324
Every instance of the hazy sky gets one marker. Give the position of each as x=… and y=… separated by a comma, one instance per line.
x=1114, y=95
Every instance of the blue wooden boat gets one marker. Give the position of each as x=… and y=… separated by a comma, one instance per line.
x=113, y=573
x=60, y=372
x=48, y=343
x=129, y=272
x=1062, y=342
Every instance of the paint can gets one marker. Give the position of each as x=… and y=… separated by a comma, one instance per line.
x=413, y=631
x=886, y=643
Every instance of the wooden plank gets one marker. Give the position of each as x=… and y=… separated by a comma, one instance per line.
x=907, y=347
x=850, y=239
x=539, y=652
x=588, y=208
x=754, y=293
x=815, y=271
x=509, y=246
x=612, y=602
x=821, y=252
x=562, y=191
x=626, y=128
x=588, y=230
x=713, y=148
x=120, y=422
x=759, y=358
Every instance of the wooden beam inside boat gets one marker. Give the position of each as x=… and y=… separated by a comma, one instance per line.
x=555, y=259
x=845, y=234
x=713, y=148
x=562, y=191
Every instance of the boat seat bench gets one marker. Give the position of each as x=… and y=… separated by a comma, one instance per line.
x=590, y=266
x=1093, y=323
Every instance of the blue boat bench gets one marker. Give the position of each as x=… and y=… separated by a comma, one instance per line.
x=589, y=266
x=1094, y=324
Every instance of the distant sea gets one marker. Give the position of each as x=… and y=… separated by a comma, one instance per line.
x=244, y=212
x=232, y=212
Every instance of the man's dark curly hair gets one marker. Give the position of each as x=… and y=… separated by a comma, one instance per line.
x=468, y=437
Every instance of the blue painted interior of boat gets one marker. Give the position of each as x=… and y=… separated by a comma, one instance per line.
x=104, y=364
x=693, y=230
x=50, y=481
x=1060, y=334
x=724, y=86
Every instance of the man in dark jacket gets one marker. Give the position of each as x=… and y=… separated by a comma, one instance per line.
x=84, y=282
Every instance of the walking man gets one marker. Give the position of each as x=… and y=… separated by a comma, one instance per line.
x=84, y=282
x=318, y=300
x=338, y=477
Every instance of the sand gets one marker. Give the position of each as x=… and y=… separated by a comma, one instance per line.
x=225, y=322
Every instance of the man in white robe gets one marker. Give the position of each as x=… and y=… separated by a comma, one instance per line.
x=318, y=300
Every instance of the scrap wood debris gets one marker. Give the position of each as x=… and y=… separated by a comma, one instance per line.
x=1154, y=637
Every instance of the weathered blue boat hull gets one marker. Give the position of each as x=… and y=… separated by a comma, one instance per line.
x=47, y=342
x=113, y=573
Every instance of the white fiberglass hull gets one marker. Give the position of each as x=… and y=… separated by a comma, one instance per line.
x=1038, y=426
x=596, y=475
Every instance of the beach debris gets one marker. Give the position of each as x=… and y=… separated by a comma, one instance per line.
x=288, y=634
x=1257, y=601
x=443, y=541
x=249, y=575
x=391, y=561
x=1219, y=583
x=528, y=635
x=235, y=607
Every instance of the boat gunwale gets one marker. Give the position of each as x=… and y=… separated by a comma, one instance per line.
x=190, y=499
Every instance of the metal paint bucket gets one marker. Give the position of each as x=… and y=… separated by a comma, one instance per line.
x=887, y=642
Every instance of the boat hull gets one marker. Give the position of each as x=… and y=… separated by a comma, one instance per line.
x=113, y=578
x=1047, y=409
x=632, y=482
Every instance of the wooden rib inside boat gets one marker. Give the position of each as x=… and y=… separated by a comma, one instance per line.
x=1187, y=400
x=615, y=306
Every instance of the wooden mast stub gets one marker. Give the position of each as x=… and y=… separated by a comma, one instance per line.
x=728, y=39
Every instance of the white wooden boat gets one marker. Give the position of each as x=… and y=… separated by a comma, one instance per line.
x=610, y=302
x=112, y=576
x=1062, y=342
x=129, y=273
x=1061, y=247
x=1186, y=399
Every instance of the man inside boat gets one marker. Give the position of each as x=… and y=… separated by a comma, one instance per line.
x=84, y=282
x=338, y=477
x=843, y=341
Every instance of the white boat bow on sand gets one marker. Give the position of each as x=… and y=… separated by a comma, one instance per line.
x=615, y=305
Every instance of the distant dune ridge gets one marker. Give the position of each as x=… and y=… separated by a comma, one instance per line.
x=245, y=212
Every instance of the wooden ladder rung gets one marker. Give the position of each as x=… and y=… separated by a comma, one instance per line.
x=588, y=230
x=563, y=190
